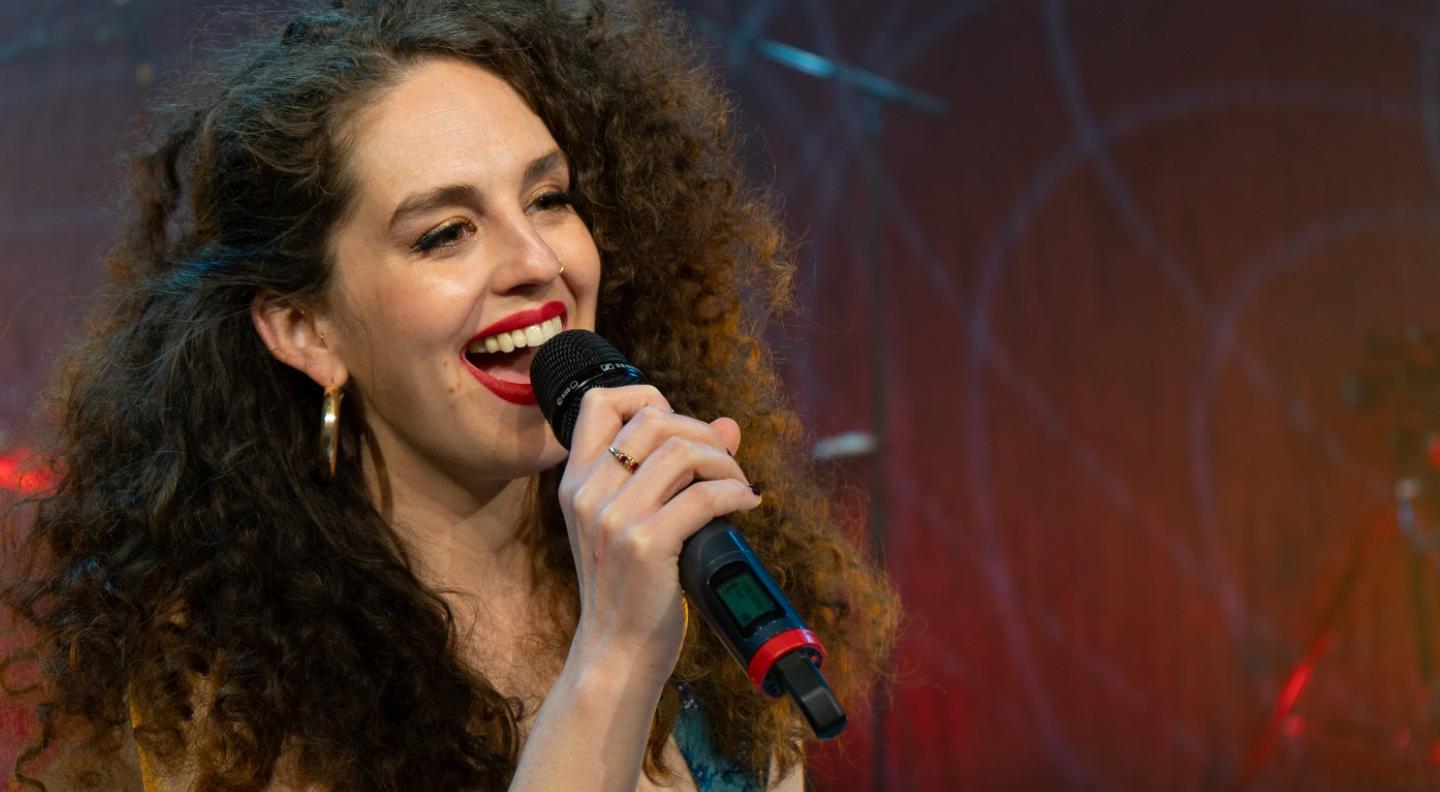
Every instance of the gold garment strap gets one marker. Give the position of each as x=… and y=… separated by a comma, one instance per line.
x=147, y=767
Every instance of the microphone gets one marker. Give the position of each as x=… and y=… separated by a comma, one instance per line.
x=719, y=572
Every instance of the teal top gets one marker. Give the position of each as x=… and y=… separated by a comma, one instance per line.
x=711, y=770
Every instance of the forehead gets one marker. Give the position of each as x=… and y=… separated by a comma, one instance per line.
x=445, y=121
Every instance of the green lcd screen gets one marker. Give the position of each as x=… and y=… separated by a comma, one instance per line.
x=746, y=600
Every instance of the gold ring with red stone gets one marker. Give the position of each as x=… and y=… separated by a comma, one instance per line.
x=631, y=463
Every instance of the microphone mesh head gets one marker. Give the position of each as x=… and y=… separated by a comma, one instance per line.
x=567, y=366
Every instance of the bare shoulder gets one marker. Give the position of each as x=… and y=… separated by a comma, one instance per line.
x=794, y=782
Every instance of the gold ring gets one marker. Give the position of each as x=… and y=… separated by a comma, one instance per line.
x=631, y=463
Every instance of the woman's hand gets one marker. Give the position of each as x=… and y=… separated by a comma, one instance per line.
x=626, y=529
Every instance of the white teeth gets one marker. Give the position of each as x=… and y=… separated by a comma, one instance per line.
x=509, y=341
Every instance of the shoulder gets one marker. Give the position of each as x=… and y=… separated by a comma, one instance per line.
x=795, y=782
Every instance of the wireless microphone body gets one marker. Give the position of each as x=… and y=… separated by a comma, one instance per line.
x=719, y=572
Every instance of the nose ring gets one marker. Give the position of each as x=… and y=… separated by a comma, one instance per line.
x=562, y=267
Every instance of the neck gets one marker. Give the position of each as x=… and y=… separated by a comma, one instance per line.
x=461, y=537
x=471, y=551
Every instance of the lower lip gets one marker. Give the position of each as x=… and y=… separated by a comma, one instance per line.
x=513, y=392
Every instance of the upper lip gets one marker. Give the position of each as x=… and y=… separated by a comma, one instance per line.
x=521, y=319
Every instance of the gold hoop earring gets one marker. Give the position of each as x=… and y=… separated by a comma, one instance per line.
x=330, y=428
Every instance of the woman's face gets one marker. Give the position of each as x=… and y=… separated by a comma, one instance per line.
x=454, y=249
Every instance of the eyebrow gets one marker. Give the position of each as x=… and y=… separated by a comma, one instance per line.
x=543, y=166
x=453, y=194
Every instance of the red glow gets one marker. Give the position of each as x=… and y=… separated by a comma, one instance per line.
x=15, y=476
x=1280, y=719
x=1435, y=753
x=1294, y=686
x=1294, y=726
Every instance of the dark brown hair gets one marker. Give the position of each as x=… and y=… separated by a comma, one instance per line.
x=192, y=539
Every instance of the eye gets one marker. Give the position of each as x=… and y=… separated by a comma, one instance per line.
x=554, y=200
x=445, y=236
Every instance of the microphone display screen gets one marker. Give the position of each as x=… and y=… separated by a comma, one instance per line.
x=746, y=599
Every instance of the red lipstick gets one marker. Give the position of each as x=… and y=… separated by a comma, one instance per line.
x=521, y=319
x=511, y=391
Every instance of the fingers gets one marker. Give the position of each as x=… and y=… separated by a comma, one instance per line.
x=626, y=529
x=729, y=433
x=675, y=465
x=603, y=411
x=694, y=508
x=673, y=451
x=649, y=428
x=662, y=533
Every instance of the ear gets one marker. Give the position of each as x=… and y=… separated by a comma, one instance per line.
x=296, y=337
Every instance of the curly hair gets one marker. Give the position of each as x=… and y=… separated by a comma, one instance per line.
x=192, y=540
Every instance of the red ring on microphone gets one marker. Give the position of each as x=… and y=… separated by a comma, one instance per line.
x=778, y=646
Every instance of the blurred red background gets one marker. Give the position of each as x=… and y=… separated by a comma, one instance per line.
x=1125, y=277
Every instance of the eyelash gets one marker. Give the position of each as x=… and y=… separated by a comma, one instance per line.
x=555, y=199
x=444, y=236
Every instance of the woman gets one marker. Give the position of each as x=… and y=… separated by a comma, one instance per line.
x=394, y=203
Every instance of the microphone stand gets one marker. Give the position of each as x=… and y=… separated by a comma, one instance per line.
x=1400, y=380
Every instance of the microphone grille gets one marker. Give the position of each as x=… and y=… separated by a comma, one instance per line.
x=566, y=367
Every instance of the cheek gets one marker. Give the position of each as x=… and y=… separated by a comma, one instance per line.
x=413, y=307
x=394, y=330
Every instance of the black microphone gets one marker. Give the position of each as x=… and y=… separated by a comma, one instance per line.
x=718, y=571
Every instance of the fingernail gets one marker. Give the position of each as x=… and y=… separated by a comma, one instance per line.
x=755, y=488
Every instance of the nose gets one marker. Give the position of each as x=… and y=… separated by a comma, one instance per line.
x=528, y=259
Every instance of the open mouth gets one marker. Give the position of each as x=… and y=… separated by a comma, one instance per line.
x=501, y=360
